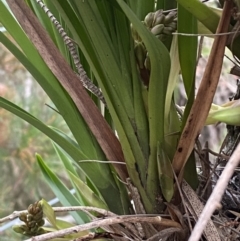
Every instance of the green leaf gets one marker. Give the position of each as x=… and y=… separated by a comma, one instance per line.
x=31, y=59
x=187, y=47
x=103, y=183
x=69, y=147
x=105, y=186
x=61, y=191
x=165, y=173
x=156, y=97
x=202, y=12
x=141, y=119
x=166, y=4
x=89, y=197
x=69, y=166
x=172, y=80
x=190, y=171
x=61, y=224
x=142, y=8
x=100, y=52
x=49, y=213
x=85, y=193
x=202, y=29
x=229, y=114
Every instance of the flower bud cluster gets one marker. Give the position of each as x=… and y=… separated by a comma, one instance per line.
x=158, y=24
x=33, y=220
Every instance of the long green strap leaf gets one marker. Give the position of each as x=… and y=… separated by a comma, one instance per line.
x=104, y=187
x=156, y=97
x=36, y=66
x=105, y=181
x=202, y=12
x=61, y=191
x=142, y=8
x=187, y=47
x=106, y=67
x=90, y=198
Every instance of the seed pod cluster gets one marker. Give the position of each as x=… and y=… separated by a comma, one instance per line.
x=159, y=24
x=33, y=220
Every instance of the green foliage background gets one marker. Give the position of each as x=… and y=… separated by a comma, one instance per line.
x=143, y=118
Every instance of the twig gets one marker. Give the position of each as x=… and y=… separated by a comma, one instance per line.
x=12, y=216
x=221, y=168
x=106, y=222
x=143, y=229
x=221, y=223
x=53, y=108
x=216, y=154
x=108, y=162
x=136, y=198
x=199, y=54
x=216, y=196
x=230, y=60
x=103, y=212
x=183, y=200
x=204, y=34
x=164, y=233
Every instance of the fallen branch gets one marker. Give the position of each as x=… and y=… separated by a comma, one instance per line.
x=106, y=222
x=103, y=212
x=214, y=201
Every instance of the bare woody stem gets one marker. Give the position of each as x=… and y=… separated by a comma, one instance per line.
x=106, y=222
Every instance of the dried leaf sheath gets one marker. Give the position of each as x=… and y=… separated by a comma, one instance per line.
x=201, y=106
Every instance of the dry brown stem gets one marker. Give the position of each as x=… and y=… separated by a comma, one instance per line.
x=102, y=212
x=204, y=98
x=108, y=222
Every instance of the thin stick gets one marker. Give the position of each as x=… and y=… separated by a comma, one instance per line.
x=12, y=216
x=199, y=54
x=106, y=222
x=205, y=34
x=216, y=196
x=216, y=154
x=103, y=212
x=103, y=162
x=183, y=200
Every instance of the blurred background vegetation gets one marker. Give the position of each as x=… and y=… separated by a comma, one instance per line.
x=21, y=181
